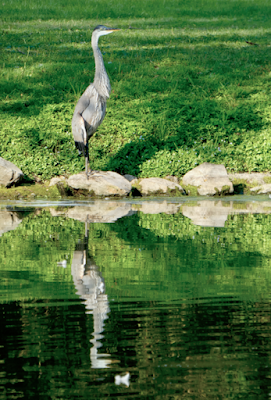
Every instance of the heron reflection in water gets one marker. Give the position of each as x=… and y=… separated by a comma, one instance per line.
x=90, y=287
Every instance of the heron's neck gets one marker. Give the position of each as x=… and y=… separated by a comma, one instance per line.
x=101, y=80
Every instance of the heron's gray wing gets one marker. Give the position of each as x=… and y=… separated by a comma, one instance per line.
x=95, y=111
x=79, y=132
x=79, y=124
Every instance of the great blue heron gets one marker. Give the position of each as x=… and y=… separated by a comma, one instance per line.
x=90, y=109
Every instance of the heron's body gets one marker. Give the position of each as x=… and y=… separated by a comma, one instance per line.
x=91, y=107
x=88, y=115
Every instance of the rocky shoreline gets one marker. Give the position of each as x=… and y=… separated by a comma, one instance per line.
x=204, y=180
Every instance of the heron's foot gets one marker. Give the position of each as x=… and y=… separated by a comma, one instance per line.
x=91, y=172
x=88, y=174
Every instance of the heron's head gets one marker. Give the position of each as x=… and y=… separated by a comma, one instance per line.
x=101, y=30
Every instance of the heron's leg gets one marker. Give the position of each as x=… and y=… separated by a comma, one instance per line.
x=87, y=164
x=89, y=171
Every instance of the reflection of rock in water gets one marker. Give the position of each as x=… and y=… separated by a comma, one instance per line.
x=215, y=213
x=91, y=288
x=207, y=213
x=9, y=220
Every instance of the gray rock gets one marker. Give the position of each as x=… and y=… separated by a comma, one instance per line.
x=101, y=183
x=262, y=189
x=9, y=173
x=210, y=179
x=61, y=183
x=56, y=180
x=129, y=177
x=149, y=186
x=251, y=177
x=172, y=178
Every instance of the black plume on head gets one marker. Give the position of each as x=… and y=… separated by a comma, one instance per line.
x=99, y=27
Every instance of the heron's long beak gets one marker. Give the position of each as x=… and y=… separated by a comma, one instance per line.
x=113, y=29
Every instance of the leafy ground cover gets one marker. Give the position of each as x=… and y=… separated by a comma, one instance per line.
x=191, y=83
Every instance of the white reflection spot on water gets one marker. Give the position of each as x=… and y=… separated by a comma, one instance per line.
x=123, y=379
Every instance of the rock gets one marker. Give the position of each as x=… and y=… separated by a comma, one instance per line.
x=61, y=183
x=210, y=179
x=149, y=186
x=252, y=177
x=262, y=189
x=172, y=178
x=56, y=180
x=9, y=173
x=129, y=177
x=101, y=183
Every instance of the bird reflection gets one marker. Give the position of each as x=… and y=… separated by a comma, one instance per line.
x=90, y=287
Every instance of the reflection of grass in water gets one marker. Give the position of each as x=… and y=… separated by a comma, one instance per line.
x=154, y=257
x=174, y=259
x=29, y=257
x=187, y=88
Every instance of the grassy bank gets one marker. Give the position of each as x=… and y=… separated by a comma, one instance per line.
x=190, y=84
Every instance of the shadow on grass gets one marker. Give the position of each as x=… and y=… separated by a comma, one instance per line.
x=189, y=73
x=71, y=69
x=192, y=134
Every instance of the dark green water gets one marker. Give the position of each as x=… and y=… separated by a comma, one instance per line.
x=176, y=294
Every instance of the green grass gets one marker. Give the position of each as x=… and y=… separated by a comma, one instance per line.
x=186, y=85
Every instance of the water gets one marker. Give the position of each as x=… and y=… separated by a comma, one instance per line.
x=166, y=299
